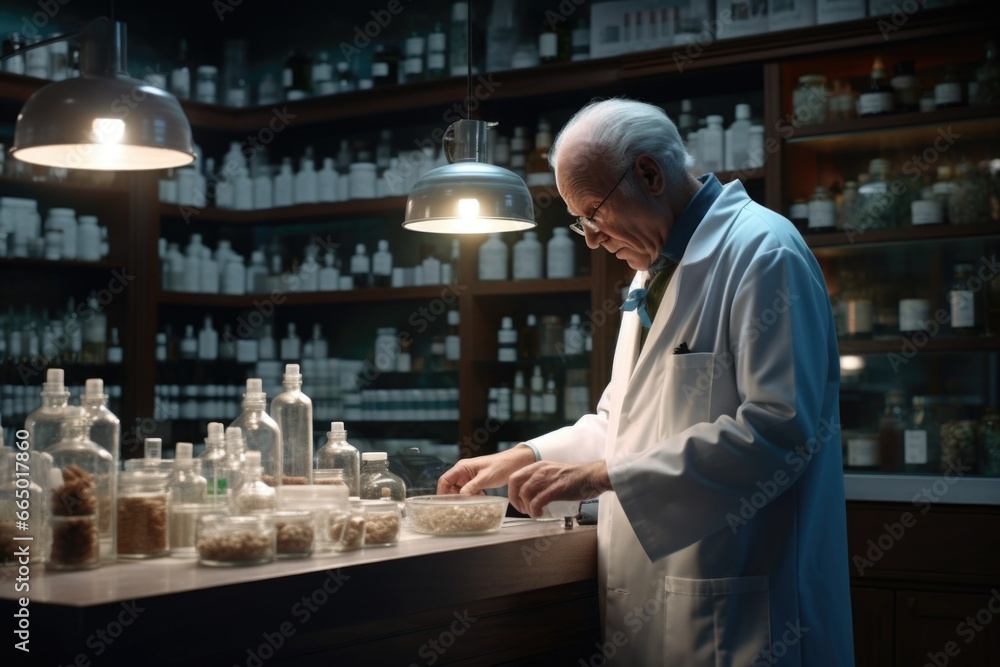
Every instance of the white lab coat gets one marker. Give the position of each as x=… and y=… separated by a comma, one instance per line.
x=723, y=544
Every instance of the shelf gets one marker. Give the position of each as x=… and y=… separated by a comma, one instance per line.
x=68, y=188
x=29, y=373
x=361, y=296
x=527, y=287
x=877, y=237
x=941, y=127
x=578, y=362
x=899, y=345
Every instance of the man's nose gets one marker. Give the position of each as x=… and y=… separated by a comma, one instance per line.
x=593, y=238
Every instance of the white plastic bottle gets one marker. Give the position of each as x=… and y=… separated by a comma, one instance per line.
x=263, y=187
x=309, y=271
x=284, y=185
x=320, y=348
x=711, y=144
x=209, y=273
x=573, y=343
x=361, y=267
x=208, y=341
x=431, y=270
x=260, y=431
x=528, y=258
x=493, y=255
x=257, y=273
x=561, y=255
x=382, y=265
x=192, y=264
x=293, y=412
x=291, y=345
x=266, y=347
x=243, y=199
x=329, y=275
x=737, y=139
x=234, y=280
x=507, y=341
x=305, y=183
x=326, y=182
x=89, y=239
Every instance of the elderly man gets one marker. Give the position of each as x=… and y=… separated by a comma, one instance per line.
x=716, y=445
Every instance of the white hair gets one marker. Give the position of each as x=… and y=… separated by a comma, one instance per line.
x=622, y=130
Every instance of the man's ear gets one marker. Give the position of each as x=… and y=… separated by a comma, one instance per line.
x=650, y=174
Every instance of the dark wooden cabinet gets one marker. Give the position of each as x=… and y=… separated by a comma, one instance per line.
x=953, y=629
x=873, y=626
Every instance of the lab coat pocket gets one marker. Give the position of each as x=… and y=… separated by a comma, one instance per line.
x=716, y=622
x=687, y=392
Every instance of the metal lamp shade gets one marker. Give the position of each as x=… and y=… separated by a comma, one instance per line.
x=469, y=198
x=103, y=123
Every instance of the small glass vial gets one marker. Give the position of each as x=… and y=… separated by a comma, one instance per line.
x=383, y=520
x=143, y=512
x=339, y=454
x=295, y=533
x=189, y=500
x=375, y=477
x=253, y=495
x=228, y=541
x=822, y=211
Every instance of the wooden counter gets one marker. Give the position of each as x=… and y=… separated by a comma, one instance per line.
x=510, y=597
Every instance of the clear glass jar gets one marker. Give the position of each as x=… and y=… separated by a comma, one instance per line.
x=11, y=491
x=383, y=520
x=228, y=541
x=989, y=438
x=339, y=454
x=143, y=511
x=321, y=501
x=292, y=410
x=848, y=213
x=346, y=528
x=876, y=203
x=809, y=100
x=958, y=444
x=552, y=336
x=295, y=533
x=80, y=488
x=253, y=495
x=377, y=483
x=969, y=201
x=822, y=211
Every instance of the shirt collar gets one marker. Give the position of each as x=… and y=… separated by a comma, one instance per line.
x=685, y=224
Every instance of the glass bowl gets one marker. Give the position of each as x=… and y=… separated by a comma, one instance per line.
x=455, y=514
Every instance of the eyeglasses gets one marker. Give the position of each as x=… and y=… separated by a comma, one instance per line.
x=587, y=223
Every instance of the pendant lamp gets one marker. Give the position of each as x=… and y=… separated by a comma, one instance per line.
x=103, y=119
x=469, y=195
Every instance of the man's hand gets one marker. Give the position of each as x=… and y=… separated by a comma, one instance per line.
x=471, y=476
x=532, y=488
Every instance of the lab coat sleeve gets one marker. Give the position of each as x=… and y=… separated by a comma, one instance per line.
x=582, y=442
x=690, y=485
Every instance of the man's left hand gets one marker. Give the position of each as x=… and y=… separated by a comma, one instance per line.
x=533, y=487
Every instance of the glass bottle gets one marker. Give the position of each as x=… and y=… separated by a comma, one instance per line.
x=337, y=453
x=536, y=396
x=989, y=441
x=573, y=338
x=293, y=412
x=921, y=439
x=231, y=472
x=550, y=400
x=376, y=479
x=507, y=341
x=260, y=432
x=560, y=255
x=458, y=39
x=848, y=212
x=519, y=399
x=254, y=495
x=809, y=100
x=12, y=491
x=988, y=77
x=965, y=303
x=890, y=433
x=143, y=512
x=452, y=342
x=385, y=65
x=553, y=42
x=437, y=53
x=105, y=431
x=877, y=99
x=44, y=425
x=876, y=205
x=905, y=86
x=80, y=489
x=822, y=211
x=859, y=312
x=537, y=167
x=948, y=91
x=968, y=203
x=361, y=267
x=213, y=461
x=189, y=500
x=152, y=458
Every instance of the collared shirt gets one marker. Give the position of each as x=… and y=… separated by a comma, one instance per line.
x=685, y=224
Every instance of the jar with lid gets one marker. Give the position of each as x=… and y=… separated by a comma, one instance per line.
x=876, y=203
x=207, y=85
x=822, y=211
x=848, y=211
x=809, y=100
x=989, y=440
x=552, y=336
x=321, y=500
x=383, y=520
x=958, y=445
x=143, y=514
x=294, y=531
x=339, y=454
x=229, y=541
x=921, y=438
x=968, y=202
x=386, y=348
x=965, y=303
x=346, y=528
x=376, y=479
x=81, y=488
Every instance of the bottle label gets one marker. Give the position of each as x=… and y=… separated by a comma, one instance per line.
x=862, y=452
x=822, y=214
x=380, y=70
x=436, y=42
x=541, y=178
x=452, y=345
x=859, y=317
x=875, y=103
x=915, y=447
x=548, y=45
x=549, y=404
x=507, y=354
x=948, y=93
x=413, y=65
x=926, y=212
x=382, y=266
x=520, y=403
x=963, y=315
x=435, y=61
x=286, y=77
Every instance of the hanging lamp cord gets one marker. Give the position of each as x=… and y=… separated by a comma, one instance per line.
x=468, y=60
